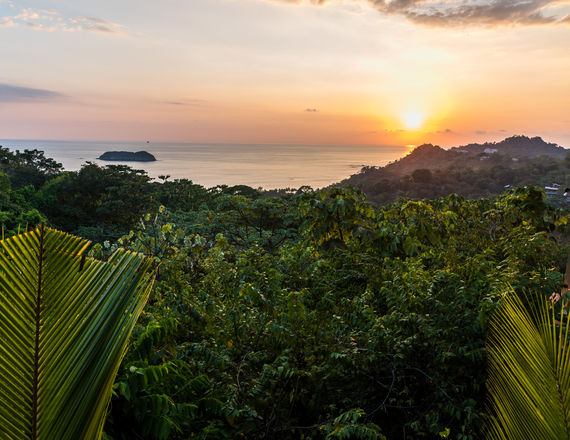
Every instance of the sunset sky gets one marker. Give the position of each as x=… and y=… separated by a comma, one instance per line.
x=284, y=71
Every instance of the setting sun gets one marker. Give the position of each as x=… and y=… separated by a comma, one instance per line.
x=413, y=119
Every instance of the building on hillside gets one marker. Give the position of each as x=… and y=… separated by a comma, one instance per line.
x=552, y=191
x=490, y=150
x=484, y=157
x=515, y=159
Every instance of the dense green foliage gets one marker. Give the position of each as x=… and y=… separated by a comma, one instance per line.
x=382, y=334
x=314, y=314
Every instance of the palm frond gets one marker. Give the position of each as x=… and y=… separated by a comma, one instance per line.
x=65, y=321
x=529, y=372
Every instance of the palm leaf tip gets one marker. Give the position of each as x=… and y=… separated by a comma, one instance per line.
x=63, y=332
x=528, y=372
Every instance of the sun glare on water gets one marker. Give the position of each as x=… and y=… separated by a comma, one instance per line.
x=413, y=119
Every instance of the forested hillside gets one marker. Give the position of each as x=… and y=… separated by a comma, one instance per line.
x=309, y=316
x=517, y=146
x=430, y=171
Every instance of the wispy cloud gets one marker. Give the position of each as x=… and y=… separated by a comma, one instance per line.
x=26, y=14
x=103, y=29
x=192, y=102
x=446, y=131
x=11, y=93
x=53, y=20
x=7, y=22
x=310, y=110
x=93, y=24
x=40, y=26
x=466, y=13
x=480, y=132
x=93, y=19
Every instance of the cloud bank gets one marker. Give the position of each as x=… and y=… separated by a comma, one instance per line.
x=10, y=93
x=467, y=13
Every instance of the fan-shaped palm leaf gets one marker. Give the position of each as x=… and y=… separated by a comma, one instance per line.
x=529, y=372
x=65, y=321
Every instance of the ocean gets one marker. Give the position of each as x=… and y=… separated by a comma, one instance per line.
x=268, y=166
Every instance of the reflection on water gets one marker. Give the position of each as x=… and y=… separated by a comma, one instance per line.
x=265, y=165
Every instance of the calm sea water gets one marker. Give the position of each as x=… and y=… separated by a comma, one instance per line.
x=257, y=165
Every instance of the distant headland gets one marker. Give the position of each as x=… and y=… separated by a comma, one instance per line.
x=139, y=156
x=472, y=171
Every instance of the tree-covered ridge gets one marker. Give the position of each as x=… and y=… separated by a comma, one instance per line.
x=517, y=146
x=430, y=171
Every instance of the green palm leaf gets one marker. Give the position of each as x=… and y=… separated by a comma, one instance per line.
x=529, y=372
x=65, y=322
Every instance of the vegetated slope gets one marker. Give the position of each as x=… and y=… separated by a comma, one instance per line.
x=518, y=146
x=425, y=156
x=430, y=171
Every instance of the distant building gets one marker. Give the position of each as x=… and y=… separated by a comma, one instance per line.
x=484, y=157
x=552, y=191
x=490, y=150
x=515, y=159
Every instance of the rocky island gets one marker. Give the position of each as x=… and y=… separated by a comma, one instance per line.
x=139, y=156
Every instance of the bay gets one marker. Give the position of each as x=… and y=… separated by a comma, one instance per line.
x=257, y=165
